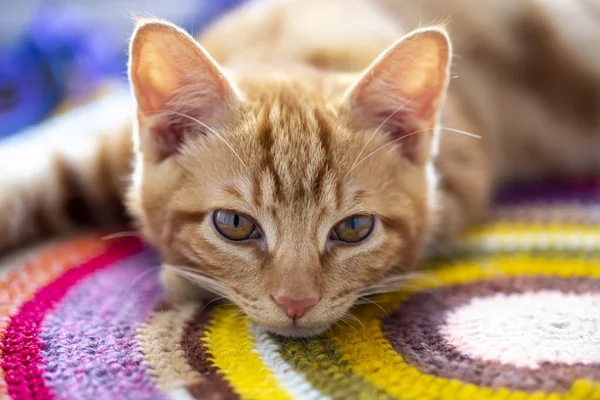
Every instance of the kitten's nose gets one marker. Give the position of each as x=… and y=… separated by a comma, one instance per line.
x=295, y=308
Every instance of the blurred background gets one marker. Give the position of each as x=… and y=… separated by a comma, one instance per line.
x=55, y=54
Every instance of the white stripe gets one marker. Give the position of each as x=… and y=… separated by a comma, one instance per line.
x=556, y=213
x=180, y=394
x=289, y=379
x=533, y=241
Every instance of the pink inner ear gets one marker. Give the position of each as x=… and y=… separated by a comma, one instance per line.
x=171, y=127
x=409, y=133
x=168, y=135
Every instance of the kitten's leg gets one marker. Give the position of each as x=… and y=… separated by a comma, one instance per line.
x=465, y=184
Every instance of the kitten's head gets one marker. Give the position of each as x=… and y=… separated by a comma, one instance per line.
x=290, y=196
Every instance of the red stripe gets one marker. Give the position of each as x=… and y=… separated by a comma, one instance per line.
x=22, y=360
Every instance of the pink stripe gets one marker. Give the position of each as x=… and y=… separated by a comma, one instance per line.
x=22, y=360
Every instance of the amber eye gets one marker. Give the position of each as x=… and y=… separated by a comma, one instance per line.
x=234, y=226
x=354, y=229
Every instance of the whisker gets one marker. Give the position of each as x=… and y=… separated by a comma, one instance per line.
x=399, y=278
x=194, y=271
x=394, y=283
x=392, y=287
x=189, y=269
x=207, y=283
x=212, y=301
x=386, y=289
x=213, y=131
x=407, y=135
x=375, y=303
x=230, y=304
x=386, y=145
x=375, y=133
x=117, y=235
x=355, y=318
x=236, y=314
x=201, y=279
x=473, y=135
x=382, y=124
x=137, y=279
x=348, y=323
x=408, y=277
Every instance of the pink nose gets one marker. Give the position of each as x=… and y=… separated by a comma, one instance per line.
x=295, y=308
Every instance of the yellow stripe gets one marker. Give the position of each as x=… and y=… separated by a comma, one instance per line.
x=371, y=355
x=230, y=343
x=554, y=234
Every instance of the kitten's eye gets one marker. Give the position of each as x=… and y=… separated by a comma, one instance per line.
x=354, y=229
x=234, y=226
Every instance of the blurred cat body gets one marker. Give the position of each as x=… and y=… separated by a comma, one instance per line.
x=309, y=112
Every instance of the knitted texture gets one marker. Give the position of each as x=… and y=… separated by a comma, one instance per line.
x=514, y=314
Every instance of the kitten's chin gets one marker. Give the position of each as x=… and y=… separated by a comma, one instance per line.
x=293, y=331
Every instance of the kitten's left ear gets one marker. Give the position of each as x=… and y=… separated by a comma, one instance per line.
x=402, y=91
x=172, y=76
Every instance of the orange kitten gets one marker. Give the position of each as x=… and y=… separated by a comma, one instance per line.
x=315, y=157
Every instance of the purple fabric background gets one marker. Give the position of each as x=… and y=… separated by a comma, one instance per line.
x=90, y=345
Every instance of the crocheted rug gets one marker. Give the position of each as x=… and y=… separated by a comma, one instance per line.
x=515, y=315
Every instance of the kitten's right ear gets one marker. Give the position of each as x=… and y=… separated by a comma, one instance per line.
x=403, y=90
x=172, y=77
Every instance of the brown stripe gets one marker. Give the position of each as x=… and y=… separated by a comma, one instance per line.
x=256, y=190
x=300, y=193
x=325, y=133
x=414, y=332
x=339, y=192
x=214, y=386
x=359, y=196
x=176, y=223
x=232, y=191
x=408, y=253
x=265, y=137
x=75, y=203
x=41, y=225
x=182, y=217
x=199, y=391
x=93, y=200
x=109, y=205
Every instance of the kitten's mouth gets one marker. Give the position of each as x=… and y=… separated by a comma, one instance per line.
x=295, y=331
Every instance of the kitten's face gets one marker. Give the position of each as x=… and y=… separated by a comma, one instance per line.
x=291, y=204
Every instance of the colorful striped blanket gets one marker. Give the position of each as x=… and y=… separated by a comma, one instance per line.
x=514, y=315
